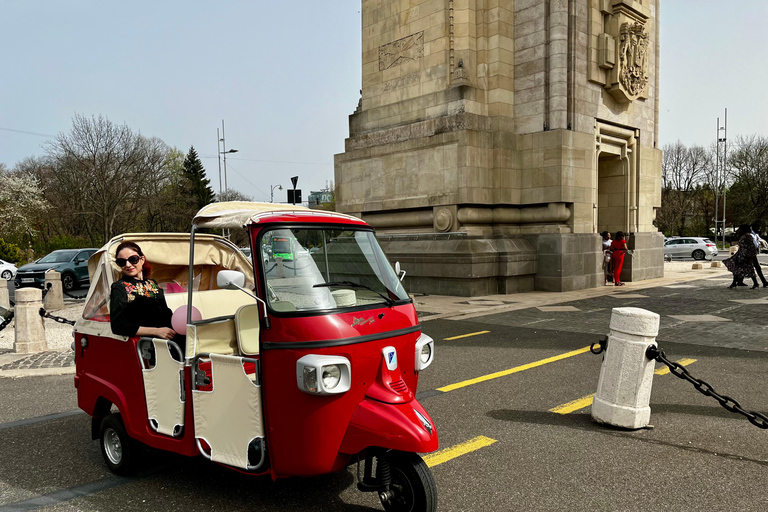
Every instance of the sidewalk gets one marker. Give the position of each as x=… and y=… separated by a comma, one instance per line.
x=59, y=359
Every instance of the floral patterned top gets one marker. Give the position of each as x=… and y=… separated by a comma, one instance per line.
x=134, y=303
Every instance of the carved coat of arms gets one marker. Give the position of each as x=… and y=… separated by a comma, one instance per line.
x=633, y=59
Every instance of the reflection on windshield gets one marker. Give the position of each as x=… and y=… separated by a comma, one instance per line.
x=57, y=257
x=316, y=269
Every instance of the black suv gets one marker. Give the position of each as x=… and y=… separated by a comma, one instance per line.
x=72, y=264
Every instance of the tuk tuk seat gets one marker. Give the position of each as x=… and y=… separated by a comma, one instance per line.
x=216, y=332
x=247, y=326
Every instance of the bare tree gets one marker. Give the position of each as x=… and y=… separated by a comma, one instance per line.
x=749, y=192
x=104, y=174
x=682, y=171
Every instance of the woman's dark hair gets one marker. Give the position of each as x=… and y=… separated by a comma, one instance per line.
x=146, y=269
x=619, y=235
x=604, y=234
x=744, y=229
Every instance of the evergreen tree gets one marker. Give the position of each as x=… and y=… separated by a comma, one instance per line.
x=199, y=186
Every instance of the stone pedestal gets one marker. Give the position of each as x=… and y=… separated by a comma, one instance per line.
x=30, y=331
x=626, y=376
x=54, y=299
x=467, y=267
x=4, y=297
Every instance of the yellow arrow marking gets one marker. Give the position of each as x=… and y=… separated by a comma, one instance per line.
x=516, y=369
x=438, y=457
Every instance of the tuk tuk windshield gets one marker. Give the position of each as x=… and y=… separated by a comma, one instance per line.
x=322, y=269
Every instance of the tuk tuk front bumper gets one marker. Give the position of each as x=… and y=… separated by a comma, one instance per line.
x=406, y=427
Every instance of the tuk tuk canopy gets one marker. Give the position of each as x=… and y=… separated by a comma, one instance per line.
x=236, y=214
x=168, y=254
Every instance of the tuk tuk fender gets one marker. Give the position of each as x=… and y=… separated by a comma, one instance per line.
x=405, y=427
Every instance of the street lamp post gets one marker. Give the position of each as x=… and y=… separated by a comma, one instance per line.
x=724, y=140
x=221, y=148
x=272, y=192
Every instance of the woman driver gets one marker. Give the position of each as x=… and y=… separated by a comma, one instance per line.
x=137, y=304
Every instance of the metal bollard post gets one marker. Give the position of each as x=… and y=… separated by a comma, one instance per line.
x=5, y=298
x=624, y=389
x=30, y=331
x=54, y=299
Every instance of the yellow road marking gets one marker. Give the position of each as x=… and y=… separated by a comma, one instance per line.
x=465, y=335
x=438, y=457
x=682, y=362
x=586, y=401
x=516, y=369
x=574, y=405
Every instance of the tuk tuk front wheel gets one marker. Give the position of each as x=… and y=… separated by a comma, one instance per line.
x=117, y=448
x=412, y=487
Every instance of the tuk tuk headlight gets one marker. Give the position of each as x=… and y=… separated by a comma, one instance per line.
x=425, y=352
x=335, y=374
x=331, y=376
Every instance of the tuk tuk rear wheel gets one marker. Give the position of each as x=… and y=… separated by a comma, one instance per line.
x=117, y=448
x=412, y=487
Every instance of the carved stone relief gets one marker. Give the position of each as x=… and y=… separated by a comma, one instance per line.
x=633, y=59
x=403, y=50
x=620, y=53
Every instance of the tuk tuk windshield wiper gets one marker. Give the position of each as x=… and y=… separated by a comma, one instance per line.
x=350, y=284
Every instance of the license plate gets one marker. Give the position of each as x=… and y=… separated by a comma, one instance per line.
x=27, y=279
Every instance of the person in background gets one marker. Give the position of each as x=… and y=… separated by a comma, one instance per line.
x=607, y=261
x=740, y=264
x=618, y=251
x=137, y=304
x=755, y=263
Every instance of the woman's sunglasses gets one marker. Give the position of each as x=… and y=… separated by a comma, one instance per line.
x=132, y=260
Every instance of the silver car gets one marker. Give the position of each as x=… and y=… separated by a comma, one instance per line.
x=690, y=247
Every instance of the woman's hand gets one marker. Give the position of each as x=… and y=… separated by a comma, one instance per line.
x=165, y=333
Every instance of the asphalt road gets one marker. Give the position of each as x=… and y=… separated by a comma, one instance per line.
x=698, y=456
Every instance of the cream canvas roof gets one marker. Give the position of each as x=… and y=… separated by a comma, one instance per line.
x=172, y=249
x=235, y=214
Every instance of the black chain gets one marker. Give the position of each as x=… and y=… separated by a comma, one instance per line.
x=730, y=404
x=60, y=319
x=72, y=296
x=6, y=321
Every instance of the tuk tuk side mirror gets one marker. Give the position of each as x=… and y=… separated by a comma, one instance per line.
x=230, y=280
x=235, y=280
x=397, y=271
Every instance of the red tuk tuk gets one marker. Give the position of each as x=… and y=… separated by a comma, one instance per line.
x=289, y=368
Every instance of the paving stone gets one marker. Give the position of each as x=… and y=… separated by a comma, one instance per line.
x=700, y=318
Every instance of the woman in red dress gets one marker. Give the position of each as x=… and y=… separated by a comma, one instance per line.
x=618, y=251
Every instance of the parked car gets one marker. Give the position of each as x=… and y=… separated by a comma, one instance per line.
x=72, y=264
x=690, y=247
x=7, y=270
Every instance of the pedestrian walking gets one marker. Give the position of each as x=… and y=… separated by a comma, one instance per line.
x=740, y=264
x=607, y=260
x=755, y=263
x=618, y=251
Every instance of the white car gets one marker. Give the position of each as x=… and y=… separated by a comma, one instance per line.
x=689, y=247
x=7, y=270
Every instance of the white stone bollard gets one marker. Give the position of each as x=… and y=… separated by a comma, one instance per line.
x=624, y=389
x=30, y=331
x=54, y=299
x=5, y=299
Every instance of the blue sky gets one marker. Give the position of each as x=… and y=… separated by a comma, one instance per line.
x=284, y=77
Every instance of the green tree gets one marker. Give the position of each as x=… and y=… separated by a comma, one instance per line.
x=198, y=185
x=10, y=252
